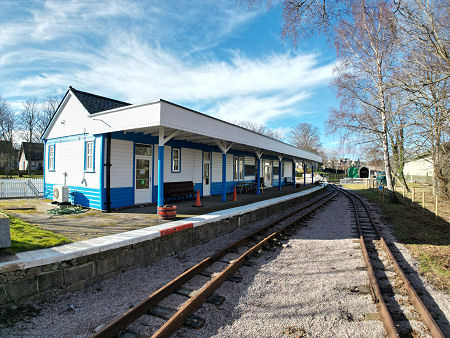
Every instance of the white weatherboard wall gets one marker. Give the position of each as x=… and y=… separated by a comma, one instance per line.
x=419, y=167
x=73, y=119
x=22, y=162
x=191, y=165
x=229, y=168
x=287, y=169
x=121, y=164
x=69, y=158
x=216, y=167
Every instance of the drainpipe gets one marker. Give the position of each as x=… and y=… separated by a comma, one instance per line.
x=108, y=172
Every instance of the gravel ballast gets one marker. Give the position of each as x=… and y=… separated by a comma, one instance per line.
x=308, y=287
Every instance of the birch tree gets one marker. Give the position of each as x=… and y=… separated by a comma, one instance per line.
x=366, y=46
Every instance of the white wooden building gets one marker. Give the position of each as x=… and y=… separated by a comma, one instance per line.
x=112, y=154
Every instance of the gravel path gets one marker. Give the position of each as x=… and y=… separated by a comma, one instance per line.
x=305, y=289
x=301, y=290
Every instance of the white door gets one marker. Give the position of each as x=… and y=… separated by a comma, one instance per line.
x=143, y=174
x=206, y=173
x=268, y=173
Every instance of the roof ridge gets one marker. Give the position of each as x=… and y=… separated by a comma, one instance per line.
x=99, y=96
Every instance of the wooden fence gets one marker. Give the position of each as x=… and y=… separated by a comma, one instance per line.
x=17, y=187
x=423, y=195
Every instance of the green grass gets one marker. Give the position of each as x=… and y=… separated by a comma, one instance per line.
x=26, y=236
x=426, y=236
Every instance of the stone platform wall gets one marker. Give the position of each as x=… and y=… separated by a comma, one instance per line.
x=22, y=285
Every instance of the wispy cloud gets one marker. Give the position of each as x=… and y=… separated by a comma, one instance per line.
x=141, y=52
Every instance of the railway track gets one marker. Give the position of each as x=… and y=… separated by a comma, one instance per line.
x=392, y=293
x=243, y=249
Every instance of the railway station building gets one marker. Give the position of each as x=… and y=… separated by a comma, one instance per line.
x=112, y=154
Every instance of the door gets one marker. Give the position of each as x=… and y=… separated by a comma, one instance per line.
x=206, y=174
x=143, y=174
x=268, y=173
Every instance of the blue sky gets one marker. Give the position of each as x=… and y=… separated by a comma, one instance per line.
x=213, y=56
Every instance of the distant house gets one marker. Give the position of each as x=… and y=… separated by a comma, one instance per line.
x=33, y=154
x=419, y=169
x=7, y=156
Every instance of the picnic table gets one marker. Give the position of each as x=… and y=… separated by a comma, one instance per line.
x=248, y=186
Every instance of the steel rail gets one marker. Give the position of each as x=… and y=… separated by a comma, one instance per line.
x=175, y=322
x=377, y=296
x=132, y=314
x=412, y=294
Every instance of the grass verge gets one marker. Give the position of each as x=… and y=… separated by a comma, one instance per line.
x=26, y=236
x=426, y=236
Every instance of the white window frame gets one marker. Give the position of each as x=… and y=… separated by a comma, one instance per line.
x=89, y=156
x=241, y=168
x=51, y=157
x=176, y=162
x=235, y=168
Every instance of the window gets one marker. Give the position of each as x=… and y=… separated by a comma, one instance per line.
x=176, y=165
x=241, y=168
x=282, y=168
x=238, y=168
x=89, y=159
x=51, y=157
x=143, y=150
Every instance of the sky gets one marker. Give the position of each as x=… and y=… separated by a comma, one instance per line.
x=217, y=57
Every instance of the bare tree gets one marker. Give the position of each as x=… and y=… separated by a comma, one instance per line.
x=7, y=126
x=259, y=128
x=7, y=121
x=425, y=29
x=306, y=136
x=48, y=108
x=29, y=119
x=366, y=48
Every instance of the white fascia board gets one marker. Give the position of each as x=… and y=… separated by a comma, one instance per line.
x=177, y=117
x=126, y=118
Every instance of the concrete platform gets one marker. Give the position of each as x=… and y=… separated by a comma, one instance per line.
x=94, y=223
x=39, y=274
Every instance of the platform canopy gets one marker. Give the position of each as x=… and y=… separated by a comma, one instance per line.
x=181, y=123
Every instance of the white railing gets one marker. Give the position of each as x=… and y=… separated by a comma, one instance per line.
x=18, y=187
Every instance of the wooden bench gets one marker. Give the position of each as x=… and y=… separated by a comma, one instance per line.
x=179, y=190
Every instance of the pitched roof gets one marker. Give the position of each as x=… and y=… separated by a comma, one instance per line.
x=95, y=103
x=37, y=151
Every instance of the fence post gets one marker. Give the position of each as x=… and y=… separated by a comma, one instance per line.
x=413, y=193
x=423, y=199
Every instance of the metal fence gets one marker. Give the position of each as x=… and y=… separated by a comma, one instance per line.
x=17, y=187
